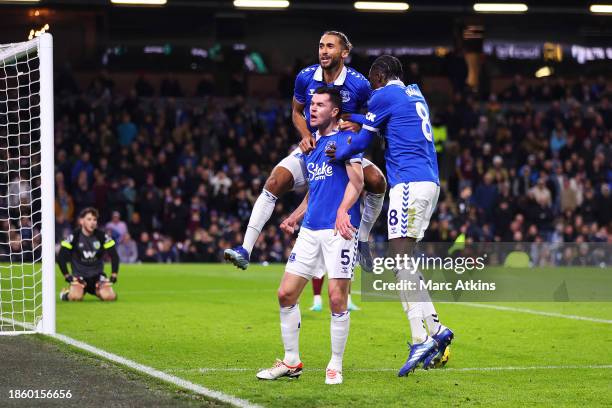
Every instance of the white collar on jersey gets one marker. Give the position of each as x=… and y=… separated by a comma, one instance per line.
x=317, y=135
x=318, y=76
x=395, y=82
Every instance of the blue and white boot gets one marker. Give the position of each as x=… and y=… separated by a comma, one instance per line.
x=238, y=256
x=418, y=353
x=443, y=339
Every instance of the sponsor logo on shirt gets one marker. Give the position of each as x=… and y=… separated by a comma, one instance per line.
x=89, y=254
x=316, y=172
x=292, y=257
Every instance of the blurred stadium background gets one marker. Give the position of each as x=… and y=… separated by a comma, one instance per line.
x=173, y=116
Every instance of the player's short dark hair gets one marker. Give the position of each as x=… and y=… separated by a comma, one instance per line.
x=334, y=96
x=343, y=38
x=389, y=66
x=89, y=210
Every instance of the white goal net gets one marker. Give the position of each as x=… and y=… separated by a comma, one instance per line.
x=27, y=253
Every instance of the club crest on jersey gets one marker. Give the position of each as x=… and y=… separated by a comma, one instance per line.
x=370, y=116
x=316, y=172
x=311, y=91
x=96, y=245
x=346, y=96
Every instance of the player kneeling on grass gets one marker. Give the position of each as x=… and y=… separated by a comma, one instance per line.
x=85, y=249
x=327, y=240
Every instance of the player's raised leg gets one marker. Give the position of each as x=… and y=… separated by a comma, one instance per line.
x=375, y=187
x=281, y=180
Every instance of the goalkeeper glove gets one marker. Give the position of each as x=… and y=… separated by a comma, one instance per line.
x=113, y=277
x=74, y=279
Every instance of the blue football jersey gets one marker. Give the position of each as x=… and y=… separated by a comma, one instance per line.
x=327, y=181
x=401, y=115
x=354, y=88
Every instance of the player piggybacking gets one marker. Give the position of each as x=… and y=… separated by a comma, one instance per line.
x=334, y=49
x=327, y=240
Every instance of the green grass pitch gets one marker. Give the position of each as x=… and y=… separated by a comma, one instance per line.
x=216, y=326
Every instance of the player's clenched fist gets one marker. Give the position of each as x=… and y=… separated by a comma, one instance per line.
x=307, y=144
x=289, y=225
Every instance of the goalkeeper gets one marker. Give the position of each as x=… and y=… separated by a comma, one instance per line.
x=85, y=249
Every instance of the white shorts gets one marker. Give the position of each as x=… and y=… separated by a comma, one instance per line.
x=296, y=166
x=318, y=251
x=411, y=206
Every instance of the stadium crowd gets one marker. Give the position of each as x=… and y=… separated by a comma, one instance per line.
x=175, y=178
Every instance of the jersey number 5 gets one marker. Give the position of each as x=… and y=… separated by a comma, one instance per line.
x=423, y=113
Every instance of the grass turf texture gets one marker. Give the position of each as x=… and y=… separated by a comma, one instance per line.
x=215, y=326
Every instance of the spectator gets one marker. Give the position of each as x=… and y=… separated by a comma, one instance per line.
x=127, y=130
x=485, y=195
x=117, y=228
x=64, y=205
x=127, y=250
x=569, y=195
x=541, y=194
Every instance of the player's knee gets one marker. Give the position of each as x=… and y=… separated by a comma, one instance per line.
x=374, y=180
x=75, y=297
x=285, y=297
x=76, y=293
x=109, y=297
x=279, y=182
x=337, y=302
x=107, y=294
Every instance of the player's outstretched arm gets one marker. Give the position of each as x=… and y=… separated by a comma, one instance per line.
x=354, y=117
x=351, y=195
x=357, y=144
x=290, y=223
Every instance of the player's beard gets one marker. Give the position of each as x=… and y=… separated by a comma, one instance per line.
x=334, y=63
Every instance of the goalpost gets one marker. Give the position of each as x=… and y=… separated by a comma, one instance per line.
x=27, y=198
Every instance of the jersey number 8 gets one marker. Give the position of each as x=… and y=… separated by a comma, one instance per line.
x=425, y=124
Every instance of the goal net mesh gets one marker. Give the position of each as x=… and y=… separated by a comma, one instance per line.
x=20, y=187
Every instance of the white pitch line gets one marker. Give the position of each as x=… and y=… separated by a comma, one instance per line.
x=522, y=310
x=205, y=370
x=534, y=312
x=198, y=389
